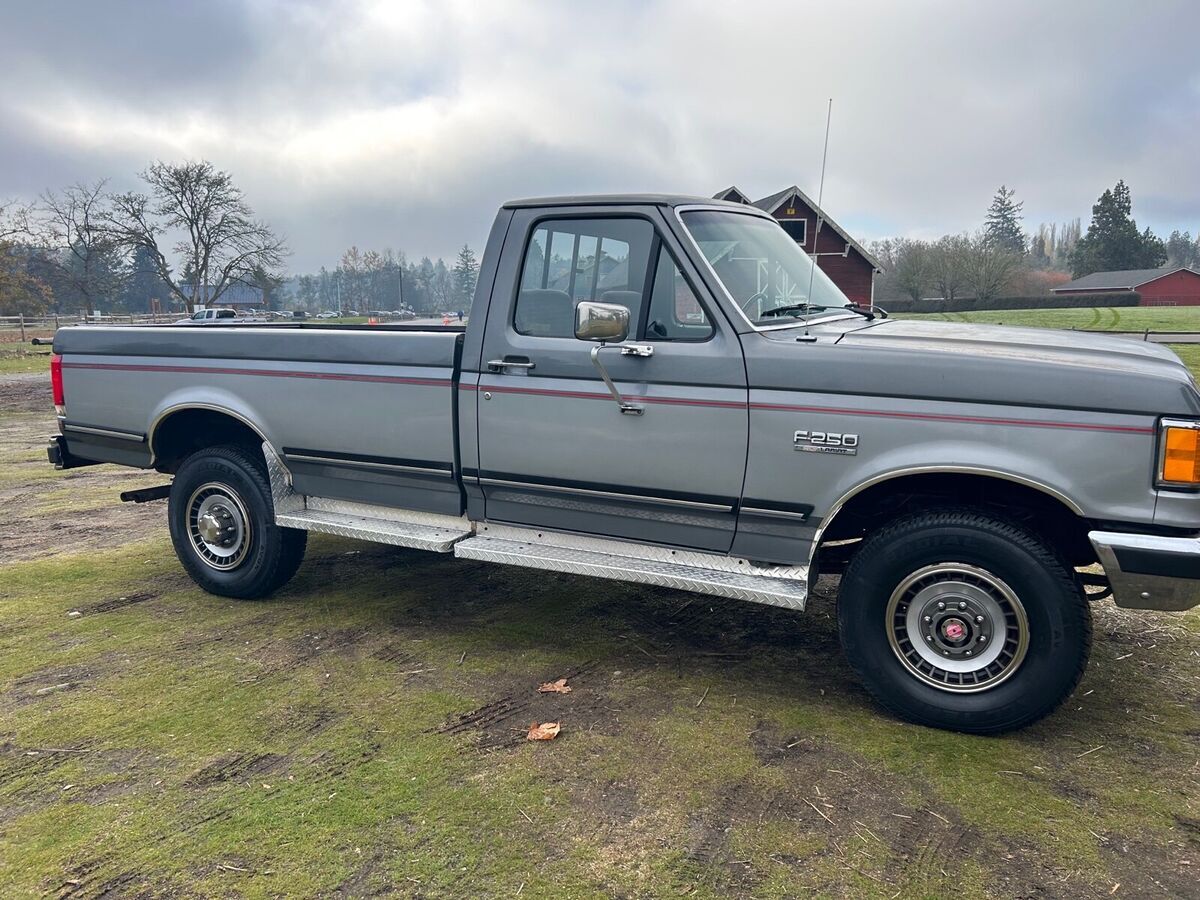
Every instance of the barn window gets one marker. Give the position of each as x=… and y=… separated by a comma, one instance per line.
x=797, y=229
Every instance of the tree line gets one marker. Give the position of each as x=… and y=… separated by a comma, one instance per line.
x=184, y=240
x=1000, y=258
x=366, y=280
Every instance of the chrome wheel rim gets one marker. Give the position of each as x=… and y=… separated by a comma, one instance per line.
x=957, y=627
x=218, y=526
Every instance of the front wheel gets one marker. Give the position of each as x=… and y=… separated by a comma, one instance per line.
x=959, y=620
x=223, y=525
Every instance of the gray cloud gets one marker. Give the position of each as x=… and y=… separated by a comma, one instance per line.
x=405, y=125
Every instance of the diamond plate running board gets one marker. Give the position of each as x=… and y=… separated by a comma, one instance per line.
x=788, y=592
x=366, y=522
x=418, y=535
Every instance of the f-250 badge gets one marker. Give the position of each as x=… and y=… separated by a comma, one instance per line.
x=826, y=442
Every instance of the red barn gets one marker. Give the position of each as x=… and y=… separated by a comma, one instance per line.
x=841, y=257
x=1158, y=287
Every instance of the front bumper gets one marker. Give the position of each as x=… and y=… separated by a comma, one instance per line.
x=1148, y=571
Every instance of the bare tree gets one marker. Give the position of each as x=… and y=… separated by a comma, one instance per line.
x=990, y=266
x=73, y=229
x=221, y=242
x=949, y=264
x=14, y=220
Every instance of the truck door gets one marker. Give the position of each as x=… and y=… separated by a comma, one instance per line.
x=556, y=450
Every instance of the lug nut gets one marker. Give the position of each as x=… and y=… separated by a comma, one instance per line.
x=962, y=604
x=941, y=604
x=929, y=638
x=968, y=653
x=945, y=653
x=979, y=620
x=982, y=638
x=929, y=618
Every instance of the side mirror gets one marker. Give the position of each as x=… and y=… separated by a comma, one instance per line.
x=601, y=321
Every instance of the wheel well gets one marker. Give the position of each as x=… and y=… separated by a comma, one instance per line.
x=187, y=430
x=1041, y=512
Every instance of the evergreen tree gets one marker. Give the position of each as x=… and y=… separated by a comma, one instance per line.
x=1113, y=242
x=1182, y=250
x=1002, y=228
x=466, y=272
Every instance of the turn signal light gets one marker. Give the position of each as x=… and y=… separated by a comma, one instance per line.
x=1181, y=455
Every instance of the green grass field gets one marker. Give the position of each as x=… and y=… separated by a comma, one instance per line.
x=1111, y=318
x=17, y=357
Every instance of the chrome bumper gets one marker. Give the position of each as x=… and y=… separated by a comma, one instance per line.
x=1148, y=571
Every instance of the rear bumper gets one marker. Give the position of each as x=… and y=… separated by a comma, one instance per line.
x=1149, y=571
x=62, y=458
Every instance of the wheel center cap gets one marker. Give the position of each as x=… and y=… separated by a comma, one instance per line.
x=954, y=630
x=213, y=527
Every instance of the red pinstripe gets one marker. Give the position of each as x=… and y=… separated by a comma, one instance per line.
x=592, y=395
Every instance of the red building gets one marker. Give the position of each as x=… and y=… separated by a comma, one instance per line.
x=1158, y=287
x=841, y=257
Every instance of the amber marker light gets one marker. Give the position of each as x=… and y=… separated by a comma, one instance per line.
x=1180, y=459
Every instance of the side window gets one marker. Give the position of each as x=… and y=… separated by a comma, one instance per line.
x=569, y=260
x=675, y=313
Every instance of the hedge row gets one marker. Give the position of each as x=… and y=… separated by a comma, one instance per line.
x=1053, y=301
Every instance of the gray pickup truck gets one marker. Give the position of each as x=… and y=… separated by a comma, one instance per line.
x=666, y=390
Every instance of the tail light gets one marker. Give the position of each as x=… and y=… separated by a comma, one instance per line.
x=56, y=384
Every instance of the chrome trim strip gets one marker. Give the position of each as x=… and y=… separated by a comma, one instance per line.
x=362, y=464
x=641, y=498
x=775, y=513
x=827, y=520
x=748, y=211
x=106, y=432
x=210, y=407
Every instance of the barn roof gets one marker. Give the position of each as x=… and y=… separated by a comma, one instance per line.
x=236, y=294
x=776, y=200
x=1125, y=279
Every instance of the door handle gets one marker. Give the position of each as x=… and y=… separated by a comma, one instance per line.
x=509, y=362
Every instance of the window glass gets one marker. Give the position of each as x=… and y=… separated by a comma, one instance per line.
x=764, y=270
x=675, y=313
x=569, y=260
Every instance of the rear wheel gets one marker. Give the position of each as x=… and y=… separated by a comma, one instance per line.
x=961, y=620
x=223, y=525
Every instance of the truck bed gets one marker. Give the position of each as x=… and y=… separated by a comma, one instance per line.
x=360, y=413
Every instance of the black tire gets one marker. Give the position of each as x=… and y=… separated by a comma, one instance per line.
x=261, y=557
x=903, y=571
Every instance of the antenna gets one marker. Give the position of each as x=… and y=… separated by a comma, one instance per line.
x=820, y=211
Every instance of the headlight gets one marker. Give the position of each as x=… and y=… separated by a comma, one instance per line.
x=1179, y=454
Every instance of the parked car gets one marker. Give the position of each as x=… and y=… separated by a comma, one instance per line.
x=327, y=315
x=204, y=316
x=675, y=421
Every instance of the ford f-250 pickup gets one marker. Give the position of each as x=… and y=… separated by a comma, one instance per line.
x=666, y=390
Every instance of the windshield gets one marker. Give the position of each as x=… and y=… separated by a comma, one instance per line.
x=763, y=269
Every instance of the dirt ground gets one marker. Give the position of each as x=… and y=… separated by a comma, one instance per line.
x=47, y=512
x=363, y=733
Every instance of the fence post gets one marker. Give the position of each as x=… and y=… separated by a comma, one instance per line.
x=56, y=321
x=21, y=319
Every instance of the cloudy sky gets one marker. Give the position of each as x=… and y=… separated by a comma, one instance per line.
x=406, y=124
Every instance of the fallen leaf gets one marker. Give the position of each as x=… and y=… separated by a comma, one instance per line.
x=547, y=731
x=555, y=687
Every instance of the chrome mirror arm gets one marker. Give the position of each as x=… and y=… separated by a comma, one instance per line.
x=629, y=409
